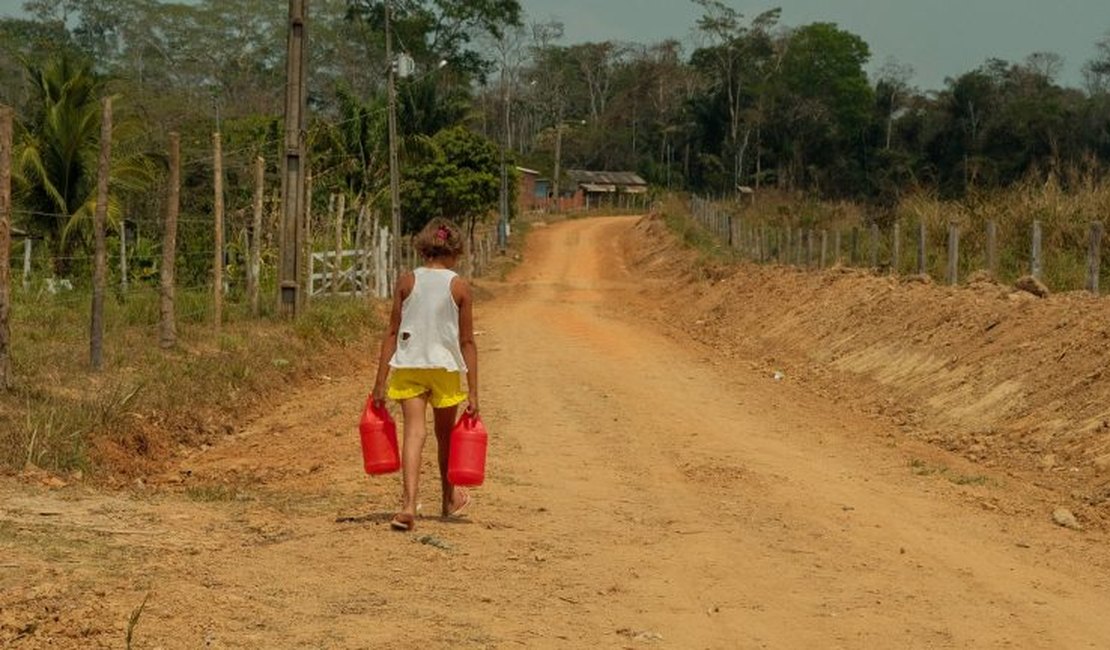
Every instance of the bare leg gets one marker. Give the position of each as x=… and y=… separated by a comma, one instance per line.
x=416, y=431
x=445, y=421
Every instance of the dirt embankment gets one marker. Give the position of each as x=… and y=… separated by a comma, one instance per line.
x=1008, y=380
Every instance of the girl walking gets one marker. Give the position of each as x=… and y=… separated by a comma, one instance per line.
x=429, y=346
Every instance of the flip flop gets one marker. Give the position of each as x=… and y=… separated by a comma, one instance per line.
x=466, y=502
x=403, y=522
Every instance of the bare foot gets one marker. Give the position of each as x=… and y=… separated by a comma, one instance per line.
x=457, y=504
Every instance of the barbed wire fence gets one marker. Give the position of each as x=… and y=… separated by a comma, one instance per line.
x=159, y=280
x=935, y=248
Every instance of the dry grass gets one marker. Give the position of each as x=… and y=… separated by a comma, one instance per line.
x=1064, y=207
x=1064, y=214
x=132, y=416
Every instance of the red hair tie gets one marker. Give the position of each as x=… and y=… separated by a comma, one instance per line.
x=443, y=233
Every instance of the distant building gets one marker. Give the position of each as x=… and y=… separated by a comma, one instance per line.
x=532, y=190
x=615, y=189
x=585, y=190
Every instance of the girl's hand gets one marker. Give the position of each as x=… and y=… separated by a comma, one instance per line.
x=378, y=395
x=472, y=404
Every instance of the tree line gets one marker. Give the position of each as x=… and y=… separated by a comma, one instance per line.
x=761, y=104
x=755, y=103
x=196, y=68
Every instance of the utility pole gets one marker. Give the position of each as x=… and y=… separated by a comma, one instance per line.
x=290, y=298
x=506, y=142
x=558, y=161
x=394, y=168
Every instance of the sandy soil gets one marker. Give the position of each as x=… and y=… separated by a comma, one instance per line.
x=647, y=488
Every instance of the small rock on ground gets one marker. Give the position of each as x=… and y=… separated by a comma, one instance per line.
x=1064, y=517
x=1030, y=284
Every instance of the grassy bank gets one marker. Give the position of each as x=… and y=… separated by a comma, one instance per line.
x=131, y=417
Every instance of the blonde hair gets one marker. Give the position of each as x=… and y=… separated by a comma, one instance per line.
x=439, y=238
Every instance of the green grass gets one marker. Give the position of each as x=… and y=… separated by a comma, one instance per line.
x=213, y=493
x=62, y=416
x=697, y=238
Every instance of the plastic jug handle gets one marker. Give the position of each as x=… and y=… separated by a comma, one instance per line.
x=380, y=410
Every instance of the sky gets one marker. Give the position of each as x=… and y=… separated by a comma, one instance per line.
x=938, y=38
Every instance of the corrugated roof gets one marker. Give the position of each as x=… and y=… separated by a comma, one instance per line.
x=581, y=176
x=525, y=170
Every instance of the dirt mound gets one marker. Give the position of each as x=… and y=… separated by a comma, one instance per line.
x=1004, y=378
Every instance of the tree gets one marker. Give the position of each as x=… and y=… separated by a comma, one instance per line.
x=22, y=41
x=57, y=157
x=433, y=30
x=892, y=91
x=459, y=180
x=738, y=63
x=1097, y=70
x=830, y=103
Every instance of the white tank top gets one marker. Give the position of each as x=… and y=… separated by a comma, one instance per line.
x=429, y=334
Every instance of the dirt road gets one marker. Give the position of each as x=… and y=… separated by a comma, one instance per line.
x=641, y=493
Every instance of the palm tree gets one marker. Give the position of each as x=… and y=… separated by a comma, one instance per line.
x=57, y=157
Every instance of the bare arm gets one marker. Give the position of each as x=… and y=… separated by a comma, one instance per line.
x=460, y=291
x=389, y=341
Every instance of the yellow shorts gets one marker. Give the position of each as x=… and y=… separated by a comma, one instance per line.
x=443, y=386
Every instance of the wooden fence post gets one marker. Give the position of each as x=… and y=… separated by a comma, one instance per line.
x=5, y=246
x=384, y=256
x=306, y=241
x=921, y=260
x=336, y=277
x=366, y=221
x=836, y=247
x=218, y=213
x=328, y=223
x=123, y=256
x=799, y=248
x=953, y=254
x=1094, y=257
x=896, y=249
x=809, y=247
x=824, y=248
x=1035, y=254
x=27, y=264
x=254, y=266
x=992, y=248
x=100, y=219
x=874, y=246
x=855, y=246
x=168, y=334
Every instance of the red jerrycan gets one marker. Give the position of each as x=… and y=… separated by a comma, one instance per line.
x=379, y=439
x=466, y=464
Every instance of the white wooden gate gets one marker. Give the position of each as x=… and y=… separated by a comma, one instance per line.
x=355, y=272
